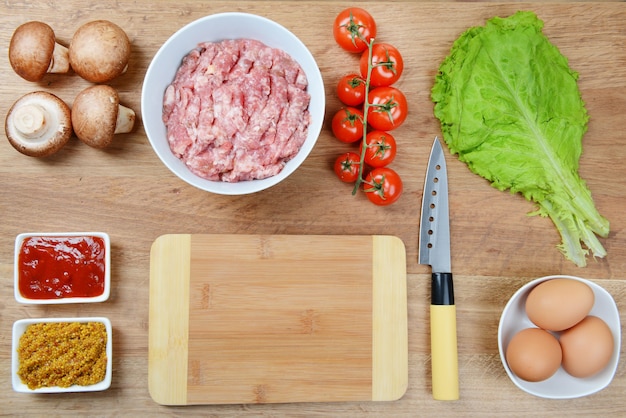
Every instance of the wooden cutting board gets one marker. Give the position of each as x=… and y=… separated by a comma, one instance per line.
x=277, y=318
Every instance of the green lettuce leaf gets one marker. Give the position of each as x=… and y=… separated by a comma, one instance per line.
x=510, y=107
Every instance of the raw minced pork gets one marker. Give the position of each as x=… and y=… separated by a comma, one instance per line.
x=237, y=110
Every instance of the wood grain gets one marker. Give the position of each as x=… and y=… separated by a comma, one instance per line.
x=264, y=319
x=169, y=316
x=389, y=319
x=126, y=192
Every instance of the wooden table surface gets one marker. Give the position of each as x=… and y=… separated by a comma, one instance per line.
x=127, y=192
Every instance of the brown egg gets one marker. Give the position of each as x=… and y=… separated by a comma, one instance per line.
x=533, y=354
x=587, y=347
x=559, y=304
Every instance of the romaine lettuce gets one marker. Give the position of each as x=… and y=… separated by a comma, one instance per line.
x=510, y=107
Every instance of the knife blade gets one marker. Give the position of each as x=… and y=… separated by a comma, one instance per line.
x=434, y=250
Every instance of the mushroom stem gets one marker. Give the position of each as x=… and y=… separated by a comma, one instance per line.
x=60, y=62
x=31, y=120
x=125, y=120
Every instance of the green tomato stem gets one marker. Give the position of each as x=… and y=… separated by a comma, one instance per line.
x=353, y=28
x=366, y=107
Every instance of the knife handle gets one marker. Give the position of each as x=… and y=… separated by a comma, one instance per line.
x=443, y=344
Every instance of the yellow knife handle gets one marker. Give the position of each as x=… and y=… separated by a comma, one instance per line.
x=443, y=344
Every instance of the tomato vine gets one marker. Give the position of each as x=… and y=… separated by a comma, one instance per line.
x=383, y=108
x=366, y=106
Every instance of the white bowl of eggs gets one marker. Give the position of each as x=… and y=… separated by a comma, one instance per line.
x=559, y=337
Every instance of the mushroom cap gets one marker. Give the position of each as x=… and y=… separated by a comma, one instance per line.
x=38, y=124
x=30, y=50
x=94, y=115
x=99, y=51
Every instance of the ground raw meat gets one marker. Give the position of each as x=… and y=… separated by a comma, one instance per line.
x=237, y=110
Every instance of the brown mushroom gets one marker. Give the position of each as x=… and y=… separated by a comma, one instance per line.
x=38, y=124
x=99, y=51
x=33, y=52
x=97, y=115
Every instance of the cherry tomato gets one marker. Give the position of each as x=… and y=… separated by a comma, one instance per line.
x=387, y=65
x=388, y=108
x=382, y=186
x=351, y=90
x=347, y=167
x=353, y=29
x=381, y=149
x=347, y=125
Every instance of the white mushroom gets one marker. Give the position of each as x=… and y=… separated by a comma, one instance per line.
x=97, y=115
x=38, y=124
x=99, y=51
x=33, y=52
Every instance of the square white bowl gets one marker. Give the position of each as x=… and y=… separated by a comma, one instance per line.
x=107, y=269
x=561, y=385
x=19, y=327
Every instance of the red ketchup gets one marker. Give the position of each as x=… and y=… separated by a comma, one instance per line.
x=62, y=267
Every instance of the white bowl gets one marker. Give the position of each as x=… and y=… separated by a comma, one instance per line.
x=215, y=28
x=19, y=327
x=107, y=269
x=561, y=385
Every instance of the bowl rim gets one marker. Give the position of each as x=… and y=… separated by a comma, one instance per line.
x=19, y=239
x=315, y=85
x=19, y=327
x=587, y=386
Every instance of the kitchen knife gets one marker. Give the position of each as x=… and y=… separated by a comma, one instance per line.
x=434, y=250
